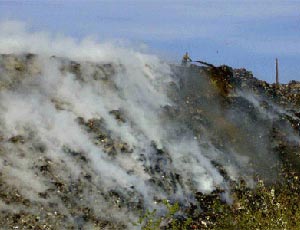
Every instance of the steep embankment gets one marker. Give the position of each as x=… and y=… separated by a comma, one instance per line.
x=89, y=145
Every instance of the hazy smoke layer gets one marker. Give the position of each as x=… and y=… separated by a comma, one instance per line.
x=89, y=125
x=96, y=120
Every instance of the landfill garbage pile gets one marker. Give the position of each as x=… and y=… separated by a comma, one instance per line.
x=88, y=145
x=257, y=126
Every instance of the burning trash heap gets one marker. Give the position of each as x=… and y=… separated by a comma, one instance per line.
x=124, y=144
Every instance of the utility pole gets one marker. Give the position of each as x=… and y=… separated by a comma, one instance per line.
x=277, y=73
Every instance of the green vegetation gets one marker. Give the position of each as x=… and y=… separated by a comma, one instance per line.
x=267, y=207
x=150, y=221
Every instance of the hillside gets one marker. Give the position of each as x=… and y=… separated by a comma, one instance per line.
x=94, y=145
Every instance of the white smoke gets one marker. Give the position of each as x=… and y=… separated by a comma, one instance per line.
x=50, y=103
x=43, y=107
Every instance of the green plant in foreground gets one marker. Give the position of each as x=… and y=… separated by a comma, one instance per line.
x=273, y=207
x=150, y=221
x=265, y=208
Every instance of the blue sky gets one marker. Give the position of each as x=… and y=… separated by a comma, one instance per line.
x=241, y=33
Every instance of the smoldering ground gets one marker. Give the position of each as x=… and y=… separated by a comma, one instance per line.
x=98, y=132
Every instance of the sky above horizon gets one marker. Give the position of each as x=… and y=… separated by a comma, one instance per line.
x=242, y=33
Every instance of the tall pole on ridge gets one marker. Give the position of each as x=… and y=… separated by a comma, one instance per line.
x=277, y=72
